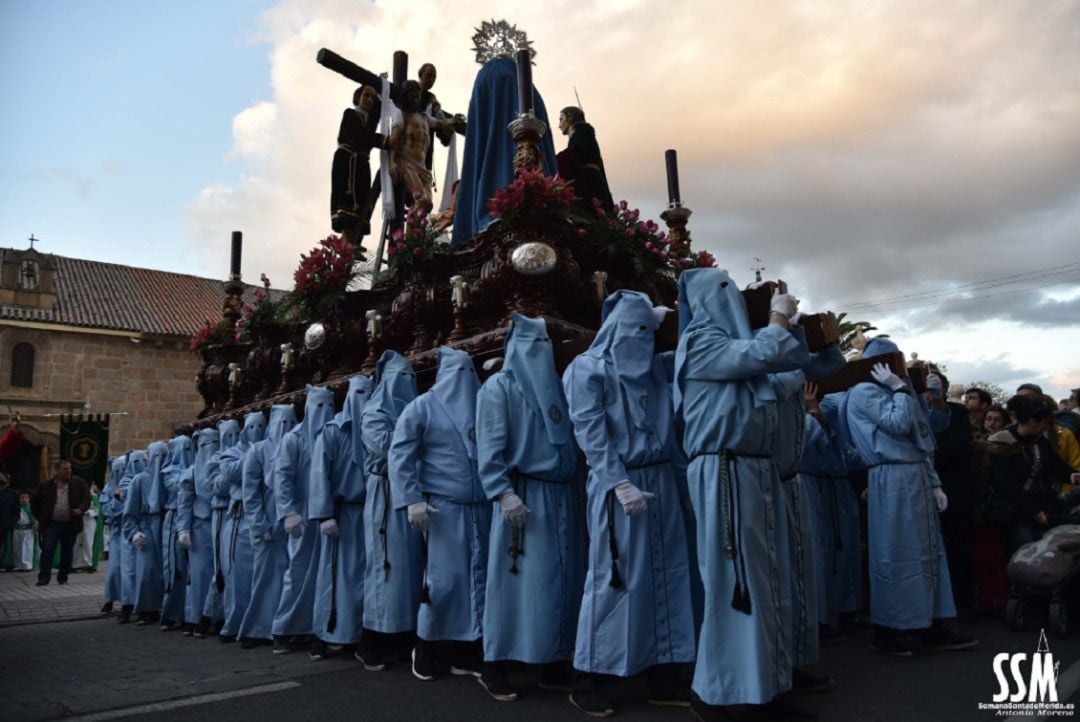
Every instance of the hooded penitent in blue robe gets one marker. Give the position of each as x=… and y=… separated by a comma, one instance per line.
x=909, y=575
x=824, y=475
x=337, y=492
x=292, y=469
x=236, y=550
x=214, y=605
x=525, y=444
x=487, y=164
x=802, y=610
x=433, y=459
x=193, y=516
x=174, y=561
x=270, y=554
x=112, y=510
x=393, y=567
x=729, y=406
x=142, y=514
x=636, y=611
x=136, y=463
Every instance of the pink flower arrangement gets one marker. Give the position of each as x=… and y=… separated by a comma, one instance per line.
x=531, y=196
x=323, y=276
x=209, y=334
x=415, y=244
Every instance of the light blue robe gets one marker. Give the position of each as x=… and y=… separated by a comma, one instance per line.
x=236, y=553
x=174, y=566
x=292, y=468
x=823, y=471
x=269, y=551
x=136, y=462
x=142, y=513
x=214, y=605
x=193, y=516
x=909, y=574
x=112, y=511
x=729, y=407
x=525, y=444
x=637, y=609
x=393, y=568
x=433, y=458
x=337, y=492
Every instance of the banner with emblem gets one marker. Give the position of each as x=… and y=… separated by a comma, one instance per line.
x=84, y=441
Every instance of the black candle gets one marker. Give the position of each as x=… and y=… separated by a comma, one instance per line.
x=672, y=161
x=234, y=264
x=524, y=80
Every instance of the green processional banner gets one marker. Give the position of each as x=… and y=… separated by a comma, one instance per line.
x=84, y=441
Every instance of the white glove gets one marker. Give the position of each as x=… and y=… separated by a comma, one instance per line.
x=940, y=498
x=933, y=385
x=513, y=509
x=418, y=515
x=884, y=375
x=633, y=500
x=329, y=527
x=267, y=535
x=784, y=304
x=184, y=537
x=294, y=525
x=138, y=539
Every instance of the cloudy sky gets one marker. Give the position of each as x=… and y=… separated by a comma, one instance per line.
x=914, y=163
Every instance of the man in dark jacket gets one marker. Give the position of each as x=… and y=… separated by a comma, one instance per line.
x=58, y=505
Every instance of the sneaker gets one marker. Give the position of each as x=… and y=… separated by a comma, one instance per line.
x=125, y=613
x=804, y=682
x=318, y=651
x=202, y=628
x=41, y=582
x=281, y=645
x=423, y=666
x=494, y=683
x=892, y=644
x=370, y=661
x=187, y=629
x=61, y=581
x=557, y=677
x=226, y=638
x=106, y=608
x=592, y=704
x=252, y=642
x=783, y=707
x=168, y=625
x=467, y=663
x=670, y=698
x=300, y=641
x=941, y=639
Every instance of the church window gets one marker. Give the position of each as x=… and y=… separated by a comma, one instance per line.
x=22, y=365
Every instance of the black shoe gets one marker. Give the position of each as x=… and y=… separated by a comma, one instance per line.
x=202, y=628
x=423, y=663
x=300, y=641
x=106, y=608
x=783, y=707
x=318, y=650
x=187, y=629
x=941, y=639
x=61, y=581
x=467, y=663
x=226, y=638
x=707, y=712
x=828, y=633
x=125, y=613
x=493, y=680
x=41, y=582
x=670, y=698
x=168, y=625
x=893, y=643
x=557, y=676
x=252, y=642
x=804, y=682
x=281, y=645
x=367, y=658
x=592, y=704
x=89, y=570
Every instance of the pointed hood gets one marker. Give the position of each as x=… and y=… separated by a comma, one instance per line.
x=456, y=384
x=137, y=462
x=282, y=421
x=395, y=384
x=529, y=362
x=157, y=453
x=356, y=398
x=181, y=455
x=709, y=298
x=626, y=341
x=254, y=430
x=207, y=443
x=228, y=433
x=318, y=411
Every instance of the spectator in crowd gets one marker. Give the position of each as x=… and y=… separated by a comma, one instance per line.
x=1025, y=473
x=977, y=402
x=1063, y=405
x=1029, y=389
x=23, y=547
x=59, y=504
x=1074, y=401
x=995, y=419
x=9, y=516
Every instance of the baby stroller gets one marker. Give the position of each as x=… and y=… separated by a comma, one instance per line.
x=1044, y=567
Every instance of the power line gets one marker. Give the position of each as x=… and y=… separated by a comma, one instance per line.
x=986, y=283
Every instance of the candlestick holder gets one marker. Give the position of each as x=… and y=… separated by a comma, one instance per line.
x=527, y=131
x=374, y=334
x=599, y=279
x=235, y=374
x=287, y=364
x=459, y=297
x=676, y=217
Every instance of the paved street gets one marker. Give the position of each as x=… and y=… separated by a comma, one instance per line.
x=22, y=602
x=103, y=670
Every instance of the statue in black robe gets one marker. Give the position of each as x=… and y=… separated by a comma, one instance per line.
x=350, y=174
x=581, y=162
